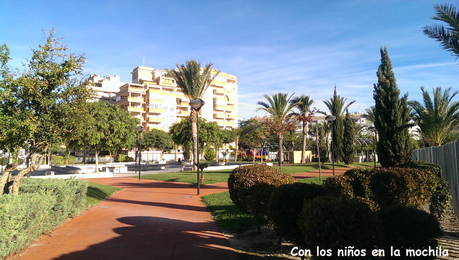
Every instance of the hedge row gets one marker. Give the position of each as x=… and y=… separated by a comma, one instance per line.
x=349, y=210
x=383, y=187
x=41, y=206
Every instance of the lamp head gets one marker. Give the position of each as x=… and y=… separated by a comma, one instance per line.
x=196, y=104
x=330, y=118
x=139, y=129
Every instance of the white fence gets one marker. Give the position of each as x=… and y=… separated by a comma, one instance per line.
x=447, y=157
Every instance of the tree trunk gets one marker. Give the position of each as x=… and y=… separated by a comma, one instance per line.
x=194, y=133
x=14, y=188
x=237, y=148
x=66, y=155
x=176, y=153
x=261, y=157
x=303, y=148
x=110, y=152
x=6, y=174
x=281, y=150
x=96, y=154
x=84, y=156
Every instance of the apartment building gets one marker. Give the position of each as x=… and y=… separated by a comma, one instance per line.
x=158, y=102
x=105, y=88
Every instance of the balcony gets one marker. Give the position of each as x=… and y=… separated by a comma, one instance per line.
x=149, y=128
x=219, y=115
x=183, y=113
x=155, y=119
x=155, y=110
x=220, y=91
x=136, y=89
x=183, y=104
x=232, y=101
x=226, y=123
x=229, y=108
x=158, y=101
x=134, y=109
x=220, y=108
x=135, y=99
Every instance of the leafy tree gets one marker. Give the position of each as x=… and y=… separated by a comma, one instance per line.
x=32, y=102
x=254, y=134
x=447, y=36
x=304, y=115
x=193, y=81
x=336, y=106
x=280, y=121
x=158, y=139
x=436, y=118
x=349, y=139
x=392, y=118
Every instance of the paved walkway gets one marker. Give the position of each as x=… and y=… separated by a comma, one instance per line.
x=146, y=220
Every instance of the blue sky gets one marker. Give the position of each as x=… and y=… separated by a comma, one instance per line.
x=301, y=47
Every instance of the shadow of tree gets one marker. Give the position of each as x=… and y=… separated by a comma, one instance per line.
x=146, y=237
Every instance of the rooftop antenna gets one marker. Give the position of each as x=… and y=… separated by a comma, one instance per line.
x=143, y=64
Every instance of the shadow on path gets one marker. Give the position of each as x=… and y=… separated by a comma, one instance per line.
x=159, y=238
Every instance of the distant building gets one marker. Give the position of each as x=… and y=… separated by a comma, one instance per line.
x=105, y=88
x=158, y=102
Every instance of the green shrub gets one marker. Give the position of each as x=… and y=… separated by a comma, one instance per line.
x=440, y=202
x=360, y=181
x=203, y=165
x=409, y=187
x=340, y=186
x=286, y=204
x=125, y=158
x=336, y=222
x=406, y=228
x=23, y=218
x=4, y=161
x=210, y=154
x=60, y=160
x=70, y=195
x=251, y=187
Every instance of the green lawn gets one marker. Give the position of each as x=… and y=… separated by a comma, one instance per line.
x=190, y=176
x=98, y=192
x=222, y=175
x=310, y=167
x=225, y=213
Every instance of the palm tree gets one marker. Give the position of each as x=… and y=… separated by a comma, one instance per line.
x=438, y=118
x=448, y=37
x=304, y=115
x=279, y=108
x=336, y=104
x=193, y=81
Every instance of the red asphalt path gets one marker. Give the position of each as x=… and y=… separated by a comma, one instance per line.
x=145, y=220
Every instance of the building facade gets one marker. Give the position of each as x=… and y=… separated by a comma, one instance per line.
x=105, y=88
x=158, y=102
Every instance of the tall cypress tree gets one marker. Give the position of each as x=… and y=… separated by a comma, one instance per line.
x=391, y=117
x=348, y=139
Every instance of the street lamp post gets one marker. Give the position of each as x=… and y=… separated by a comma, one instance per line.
x=373, y=129
x=196, y=105
x=332, y=118
x=318, y=149
x=140, y=130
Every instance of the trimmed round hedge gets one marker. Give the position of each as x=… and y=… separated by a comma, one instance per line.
x=286, y=204
x=409, y=187
x=336, y=222
x=409, y=228
x=250, y=188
